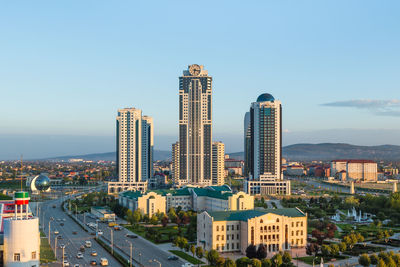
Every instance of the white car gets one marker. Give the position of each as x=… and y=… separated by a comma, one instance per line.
x=66, y=263
x=79, y=255
x=100, y=232
x=77, y=265
x=56, y=232
x=62, y=246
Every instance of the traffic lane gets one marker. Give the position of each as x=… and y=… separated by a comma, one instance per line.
x=143, y=251
x=76, y=242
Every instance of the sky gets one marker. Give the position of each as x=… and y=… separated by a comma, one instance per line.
x=66, y=67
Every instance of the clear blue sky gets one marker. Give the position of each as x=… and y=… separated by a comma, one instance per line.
x=67, y=66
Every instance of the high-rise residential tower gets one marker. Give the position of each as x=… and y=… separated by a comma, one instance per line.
x=263, y=147
x=218, y=163
x=134, y=151
x=195, y=126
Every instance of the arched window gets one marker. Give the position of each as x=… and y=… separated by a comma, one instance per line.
x=277, y=220
x=261, y=221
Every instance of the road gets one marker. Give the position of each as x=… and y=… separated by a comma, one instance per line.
x=72, y=241
x=143, y=250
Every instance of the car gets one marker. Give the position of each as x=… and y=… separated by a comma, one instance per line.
x=66, y=263
x=88, y=244
x=99, y=232
x=92, y=233
x=82, y=248
x=79, y=255
x=93, y=262
x=76, y=265
x=94, y=253
x=64, y=220
x=172, y=258
x=103, y=262
x=62, y=246
x=59, y=237
x=56, y=232
x=117, y=228
x=54, y=206
x=131, y=235
x=74, y=232
x=62, y=224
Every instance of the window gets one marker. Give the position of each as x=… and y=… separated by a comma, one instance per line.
x=292, y=224
x=17, y=257
x=237, y=227
x=301, y=224
x=277, y=220
x=227, y=237
x=237, y=245
x=222, y=228
x=227, y=228
x=217, y=237
x=233, y=237
x=34, y=255
x=227, y=246
x=217, y=228
x=222, y=237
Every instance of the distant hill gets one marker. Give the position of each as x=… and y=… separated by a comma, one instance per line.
x=300, y=152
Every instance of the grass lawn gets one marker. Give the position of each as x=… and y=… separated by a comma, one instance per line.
x=168, y=233
x=186, y=257
x=359, y=249
x=46, y=253
x=309, y=259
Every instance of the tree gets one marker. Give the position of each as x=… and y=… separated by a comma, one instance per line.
x=192, y=249
x=266, y=263
x=342, y=246
x=212, y=257
x=386, y=235
x=286, y=258
x=373, y=259
x=326, y=250
x=277, y=260
x=312, y=248
x=172, y=215
x=164, y=221
x=251, y=251
x=229, y=263
x=220, y=262
x=335, y=249
x=184, y=243
x=242, y=262
x=364, y=260
x=350, y=240
x=255, y=262
x=199, y=252
x=261, y=252
x=154, y=219
x=381, y=263
x=360, y=237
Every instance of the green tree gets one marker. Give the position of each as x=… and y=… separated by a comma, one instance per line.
x=326, y=250
x=242, y=262
x=192, y=249
x=154, y=219
x=172, y=215
x=277, y=260
x=255, y=262
x=374, y=259
x=199, y=252
x=229, y=263
x=212, y=257
x=342, y=246
x=266, y=263
x=220, y=262
x=286, y=258
x=364, y=260
x=381, y=263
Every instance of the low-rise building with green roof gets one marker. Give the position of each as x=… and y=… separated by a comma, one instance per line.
x=234, y=231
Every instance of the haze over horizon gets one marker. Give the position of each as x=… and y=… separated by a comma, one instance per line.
x=71, y=65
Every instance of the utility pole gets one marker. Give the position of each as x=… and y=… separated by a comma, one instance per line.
x=55, y=247
x=63, y=256
x=49, y=232
x=112, y=242
x=130, y=258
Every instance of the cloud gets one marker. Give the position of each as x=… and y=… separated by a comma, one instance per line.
x=389, y=107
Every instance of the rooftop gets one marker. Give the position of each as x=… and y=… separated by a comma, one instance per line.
x=265, y=97
x=244, y=215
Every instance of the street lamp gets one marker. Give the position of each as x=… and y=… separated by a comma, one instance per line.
x=55, y=247
x=49, y=231
x=112, y=242
x=155, y=261
x=130, y=258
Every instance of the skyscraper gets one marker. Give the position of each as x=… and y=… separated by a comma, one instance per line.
x=134, y=151
x=263, y=147
x=218, y=163
x=195, y=126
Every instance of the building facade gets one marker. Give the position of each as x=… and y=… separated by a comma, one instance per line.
x=175, y=164
x=211, y=198
x=218, y=163
x=359, y=170
x=195, y=126
x=134, y=151
x=263, y=147
x=234, y=231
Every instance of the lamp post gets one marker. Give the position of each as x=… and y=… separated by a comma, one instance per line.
x=55, y=247
x=130, y=258
x=140, y=258
x=49, y=231
x=112, y=242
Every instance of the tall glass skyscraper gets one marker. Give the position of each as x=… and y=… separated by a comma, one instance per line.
x=263, y=147
x=195, y=126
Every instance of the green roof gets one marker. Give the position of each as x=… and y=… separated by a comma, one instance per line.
x=220, y=187
x=244, y=215
x=162, y=192
x=131, y=194
x=203, y=192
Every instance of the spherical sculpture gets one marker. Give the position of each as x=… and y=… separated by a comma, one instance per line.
x=42, y=182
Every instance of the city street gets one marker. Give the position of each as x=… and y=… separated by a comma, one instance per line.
x=143, y=250
x=71, y=241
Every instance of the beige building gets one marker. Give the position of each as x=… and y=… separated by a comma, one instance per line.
x=148, y=203
x=359, y=170
x=234, y=231
x=175, y=163
x=218, y=163
x=212, y=198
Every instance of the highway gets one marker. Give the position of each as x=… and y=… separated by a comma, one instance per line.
x=71, y=241
x=143, y=250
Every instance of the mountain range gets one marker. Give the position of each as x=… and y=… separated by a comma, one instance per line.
x=296, y=152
